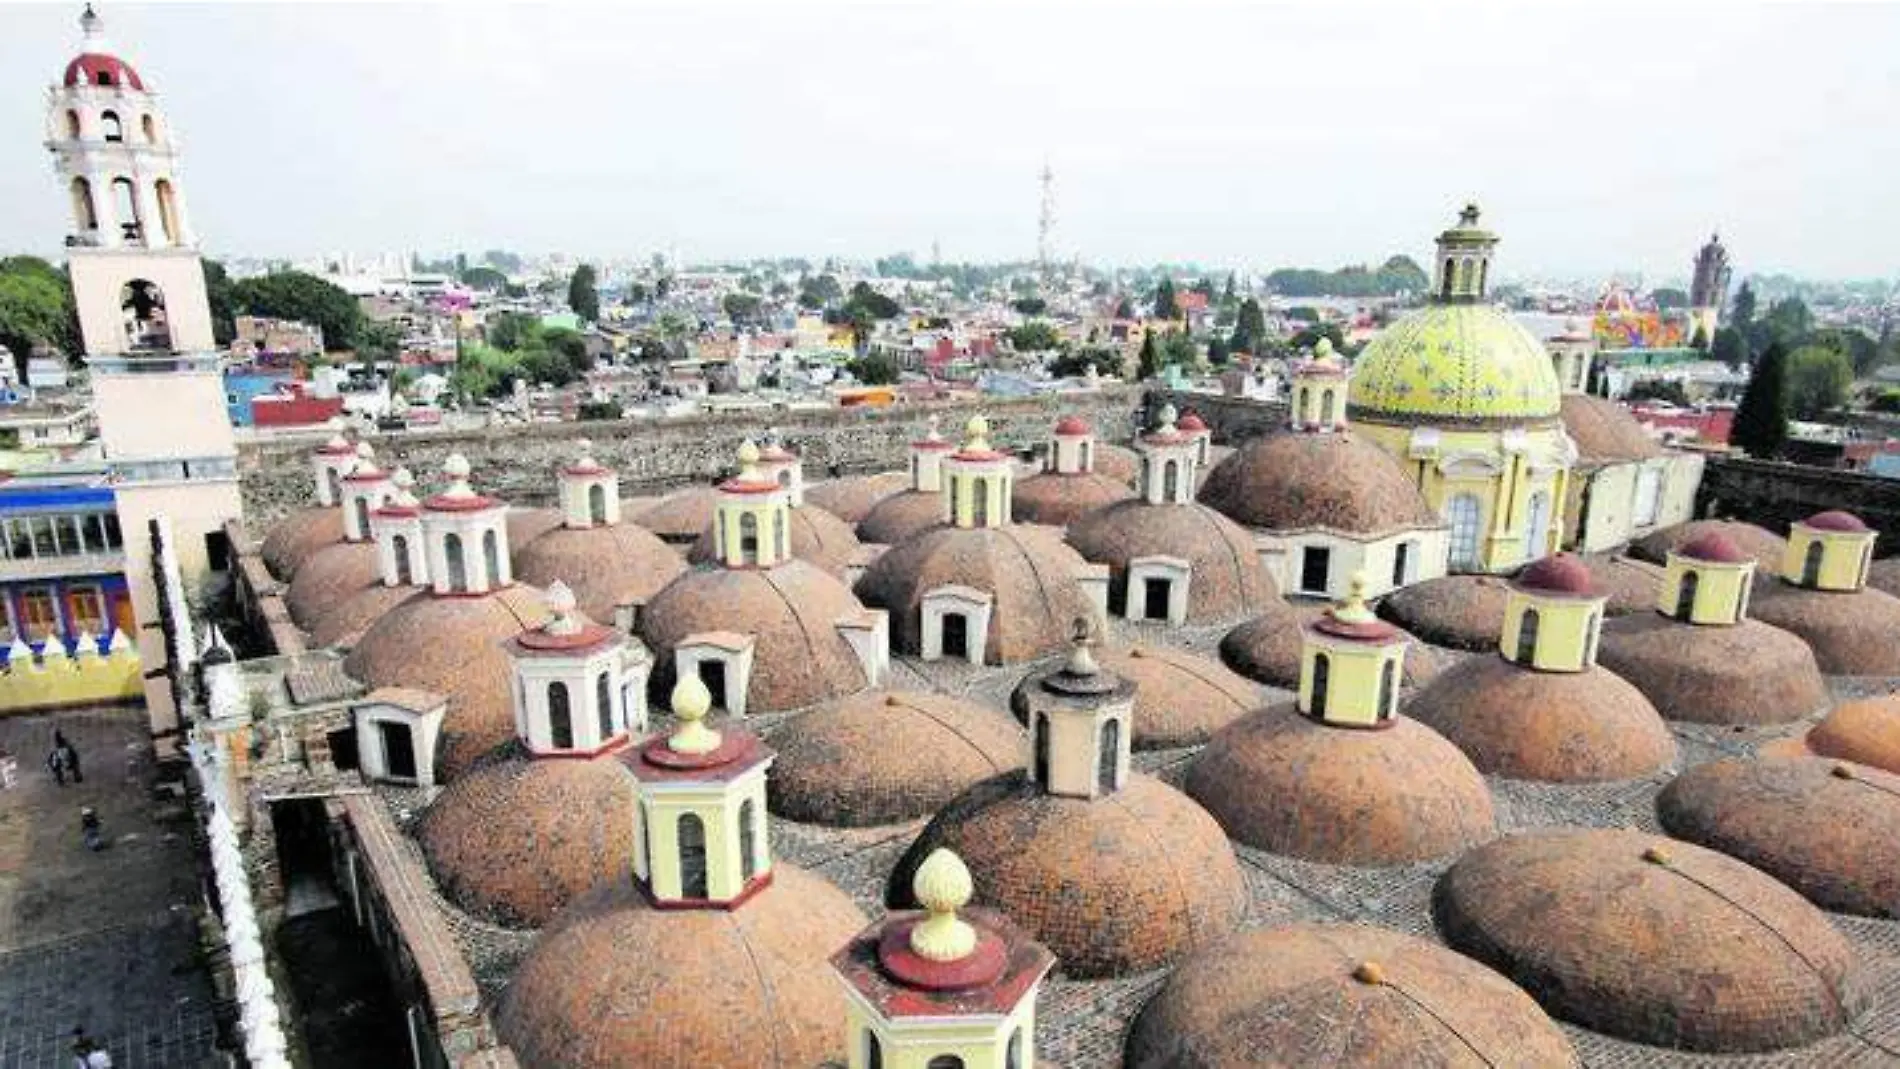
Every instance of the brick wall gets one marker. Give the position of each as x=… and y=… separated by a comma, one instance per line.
x=1232, y=419
x=1774, y=495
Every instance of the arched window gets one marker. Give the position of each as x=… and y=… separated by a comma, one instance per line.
x=1526, y=638
x=109, y=123
x=125, y=208
x=785, y=477
x=1170, y=480
x=748, y=840
x=103, y=77
x=148, y=127
x=147, y=326
x=1013, y=1056
x=399, y=547
x=72, y=124
x=335, y=483
x=1322, y=673
x=691, y=832
x=1463, y=514
x=1685, y=596
x=1484, y=268
x=1306, y=407
x=1811, y=565
x=1326, y=408
x=85, y=213
x=1594, y=628
x=1042, y=748
x=873, y=1051
x=604, y=706
x=491, y=557
x=167, y=211
x=1401, y=564
x=1537, y=526
x=560, y=717
x=597, y=504
x=944, y=1061
x=748, y=538
x=1388, y=689
x=458, y=568
x=778, y=535
x=1108, y=762
x=980, y=502
x=362, y=515
x=1087, y=460
x=1445, y=281
x=1648, y=496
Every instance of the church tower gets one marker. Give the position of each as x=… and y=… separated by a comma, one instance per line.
x=1708, y=289
x=145, y=323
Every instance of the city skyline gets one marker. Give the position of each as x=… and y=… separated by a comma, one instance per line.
x=1290, y=136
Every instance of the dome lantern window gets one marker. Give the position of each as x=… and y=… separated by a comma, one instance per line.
x=1081, y=724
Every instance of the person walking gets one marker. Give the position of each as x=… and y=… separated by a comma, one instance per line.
x=61, y=744
x=90, y=830
x=56, y=764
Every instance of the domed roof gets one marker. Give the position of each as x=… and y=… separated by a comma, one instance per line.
x=1460, y=363
x=1070, y=426
x=1290, y=482
x=1825, y=828
x=883, y=757
x=1635, y=935
x=606, y=566
x=345, y=624
x=94, y=68
x=1884, y=575
x=1464, y=612
x=1630, y=584
x=524, y=526
x=515, y=840
x=452, y=646
x=329, y=577
x=295, y=537
x=615, y=982
x=815, y=535
x=1026, y=569
x=1092, y=880
x=851, y=499
x=1750, y=673
x=1605, y=431
x=1227, y=580
x=1279, y=781
x=1191, y=422
x=900, y=516
x=1852, y=632
x=1181, y=698
x=1835, y=520
x=791, y=610
x=1867, y=732
x=1713, y=547
x=1118, y=462
x=1764, y=545
x=1560, y=573
x=1057, y=500
x=1558, y=727
x=1267, y=647
x=1283, y=997
x=681, y=516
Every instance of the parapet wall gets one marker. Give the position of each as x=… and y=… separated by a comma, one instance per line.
x=1232, y=419
x=1774, y=495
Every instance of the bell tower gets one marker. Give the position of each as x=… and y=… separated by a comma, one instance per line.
x=145, y=323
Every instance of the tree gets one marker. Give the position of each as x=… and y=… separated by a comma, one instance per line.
x=1166, y=307
x=36, y=308
x=1125, y=309
x=1148, y=365
x=873, y=370
x=583, y=296
x=1302, y=313
x=874, y=304
x=1861, y=351
x=1227, y=293
x=1250, y=328
x=1205, y=287
x=485, y=279
x=503, y=260
x=1790, y=320
x=1077, y=363
x=741, y=307
x=1217, y=352
x=1030, y=306
x=1668, y=298
x=598, y=410
x=305, y=298
x=1742, y=309
x=1659, y=390
x=1729, y=348
x=1035, y=336
x=816, y=291
x=510, y=331
x=379, y=343
x=1761, y=421
x=1818, y=380
x=218, y=296
x=1178, y=349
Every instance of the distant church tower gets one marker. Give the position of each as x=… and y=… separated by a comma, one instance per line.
x=145, y=324
x=1709, y=289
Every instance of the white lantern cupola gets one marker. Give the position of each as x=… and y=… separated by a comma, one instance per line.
x=571, y=683
x=590, y=492
x=1081, y=724
x=363, y=491
x=752, y=517
x=780, y=464
x=330, y=463
x=979, y=481
x=1169, y=459
x=1193, y=425
x=1319, y=391
x=396, y=526
x=1072, y=449
x=466, y=535
x=926, y=461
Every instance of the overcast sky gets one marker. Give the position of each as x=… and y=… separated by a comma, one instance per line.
x=1596, y=137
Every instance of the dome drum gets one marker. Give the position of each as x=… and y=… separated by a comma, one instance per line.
x=1829, y=551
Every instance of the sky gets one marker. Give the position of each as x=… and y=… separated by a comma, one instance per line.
x=1599, y=138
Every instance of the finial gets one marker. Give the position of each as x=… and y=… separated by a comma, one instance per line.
x=1323, y=351
x=977, y=433
x=402, y=478
x=691, y=702
x=1656, y=855
x=1081, y=656
x=1369, y=972
x=1469, y=216
x=1167, y=418
x=90, y=23
x=456, y=467
x=934, y=435
x=1354, y=609
x=585, y=447
x=559, y=600
x=942, y=885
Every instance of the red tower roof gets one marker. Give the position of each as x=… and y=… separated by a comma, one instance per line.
x=96, y=68
x=1558, y=574
x=1192, y=422
x=1071, y=426
x=1835, y=520
x=1715, y=547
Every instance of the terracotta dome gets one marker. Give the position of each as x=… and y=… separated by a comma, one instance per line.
x=1290, y=482
x=1181, y=698
x=517, y=839
x=1829, y=829
x=1605, y=431
x=1340, y=994
x=1191, y=422
x=1837, y=521
x=1713, y=547
x=1226, y=581
x=95, y=68
x=1631, y=585
x=1559, y=573
x=614, y=982
x=1464, y=612
x=682, y=516
x=1750, y=673
x=1070, y=426
x=1866, y=732
x=851, y=499
x=345, y=624
x=791, y=610
x=816, y=536
x=295, y=537
x=1058, y=500
x=524, y=526
x=1025, y=568
x=1092, y=880
x=1764, y=545
x=1279, y=781
x=452, y=646
x=1118, y=462
x=1852, y=633
x=883, y=757
x=1267, y=647
x=899, y=516
x=606, y=566
x=328, y=577
x=1558, y=727
x=1650, y=939
x=1884, y=576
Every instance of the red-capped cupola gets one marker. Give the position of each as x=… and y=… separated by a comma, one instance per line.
x=95, y=64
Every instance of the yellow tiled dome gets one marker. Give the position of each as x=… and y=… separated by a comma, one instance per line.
x=1456, y=363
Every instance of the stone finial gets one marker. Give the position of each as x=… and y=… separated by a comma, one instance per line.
x=1354, y=609
x=1323, y=352
x=934, y=434
x=749, y=461
x=691, y=702
x=585, y=447
x=942, y=885
x=559, y=599
x=1370, y=973
x=1081, y=653
x=977, y=435
x=456, y=468
x=1166, y=420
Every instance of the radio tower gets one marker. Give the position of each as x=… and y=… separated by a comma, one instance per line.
x=1046, y=221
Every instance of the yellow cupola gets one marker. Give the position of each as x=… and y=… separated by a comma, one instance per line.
x=751, y=517
x=1553, y=617
x=978, y=480
x=1829, y=551
x=1350, y=661
x=1707, y=581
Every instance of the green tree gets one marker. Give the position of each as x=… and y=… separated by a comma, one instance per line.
x=1861, y=351
x=1148, y=364
x=1729, y=348
x=591, y=411
x=743, y=308
x=1668, y=298
x=218, y=296
x=305, y=298
x=1035, y=336
x=1302, y=313
x=1741, y=314
x=1659, y=390
x=36, y=308
x=1125, y=309
x=511, y=331
x=1761, y=421
x=502, y=259
x=874, y=304
x=816, y=291
x=485, y=279
x=1076, y=363
x=1030, y=306
x=1818, y=380
x=583, y=293
x=1250, y=328
x=1227, y=292
x=1217, y=352
x=1205, y=287
x=1166, y=307
x=873, y=370
x=379, y=342
x=1178, y=349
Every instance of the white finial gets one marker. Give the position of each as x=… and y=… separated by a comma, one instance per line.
x=456, y=468
x=977, y=434
x=942, y=885
x=691, y=702
x=559, y=599
x=365, y=451
x=934, y=435
x=1168, y=416
x=585, y=447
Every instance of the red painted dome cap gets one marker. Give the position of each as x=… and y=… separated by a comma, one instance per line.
x=1561, y=573
x=1835, y=520
x=1072, y=425
x=1714, y=547
x=1192, y=422
x=95, y=68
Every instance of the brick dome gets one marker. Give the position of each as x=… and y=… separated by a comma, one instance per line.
x=1070, y=426
x=1884, y=575
x=1605, y=431
x=452, y=646
x=1464, y=612
x=1118, y=462
x=328, y=577
x=814, y=534
x=524, y=526
x=900, y=516
x=1267, y=647
x=851, y=499
x=1116, y=885
x=1027, y=569
x=1340, y=994
x=614, y=982
x=517, y=839
x=791, y=610
x=1630, y=585
x=1866, y=731
x=1191, y=422
x=1750, y=673
x=1713, y=547
x=1279, y=781
x=345, y=624
x=1557, y=727
x=606, y=566
x=1059, y=500
x=1650, y=939
x=1852, y=633
x=1767, y=547
x=681, y=516
x=883, y=757
x=1837, y=521
x=1829, y=829
x=295, y=537
x=1181, y=698
x=1226, y=582
x=1559, y=573
x=1339, y=482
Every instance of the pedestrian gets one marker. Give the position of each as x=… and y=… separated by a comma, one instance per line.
x=72, y=756
x=90, y=830
x=56, y=763
x=83, y=1048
